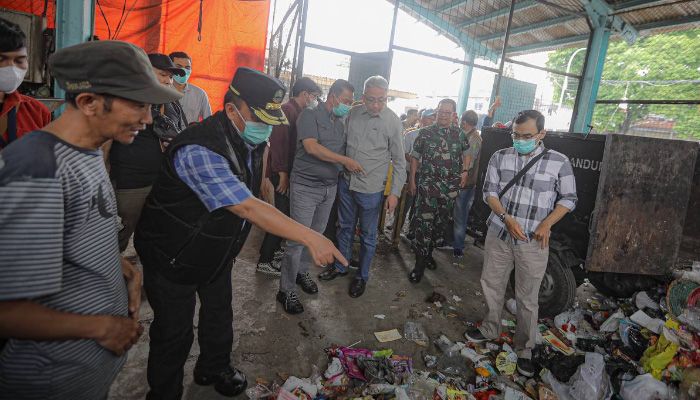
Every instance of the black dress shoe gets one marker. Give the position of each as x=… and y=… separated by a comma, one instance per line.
x=229, y=382
x=307, y=284
x=415, y=276
x=357, y=288
x=330, y=273
x=430, y=263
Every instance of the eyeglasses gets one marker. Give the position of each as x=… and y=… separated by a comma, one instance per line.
x=445, y=113
x=523, y=136
x=375, y=100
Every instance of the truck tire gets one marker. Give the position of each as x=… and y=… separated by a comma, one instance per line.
x=558, y=288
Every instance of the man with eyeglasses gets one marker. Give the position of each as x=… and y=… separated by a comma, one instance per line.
x=441, y=151
x=374, y=139
x=519, y=227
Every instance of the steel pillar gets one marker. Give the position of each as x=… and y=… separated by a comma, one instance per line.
x=464, y=87
x=602, y=23
x=75, y=22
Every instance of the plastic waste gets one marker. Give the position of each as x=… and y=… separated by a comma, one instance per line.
x=691, y=317
x=414, y=331
x=644, y=387
x=589, y=382
x=512, y=306
x=653, y=324
x=506, y=363
x=292, y=383
x=658, y=356
x=692, y=275
x=258, y=392
x=612, y=324
x=642, y=300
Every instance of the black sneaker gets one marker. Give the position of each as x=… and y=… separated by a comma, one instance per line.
x=526, y=367
x=290, y=302
x=475, y=336
x=278, y=255
x=430, y=263
x=230, y=382
x=307, y=284
x=272, y=268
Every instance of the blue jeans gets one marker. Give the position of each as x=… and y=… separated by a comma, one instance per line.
x=367, y=206
x=463, y=203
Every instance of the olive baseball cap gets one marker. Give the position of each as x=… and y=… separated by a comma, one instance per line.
x=262, y=93
x=111, y=67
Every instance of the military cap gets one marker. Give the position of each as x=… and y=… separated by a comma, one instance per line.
x=262, y=93
x=111, y=67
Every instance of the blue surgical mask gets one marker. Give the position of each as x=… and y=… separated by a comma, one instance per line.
x=341, y=110
x=183, y=79
x=254, y=133
x=525, y=146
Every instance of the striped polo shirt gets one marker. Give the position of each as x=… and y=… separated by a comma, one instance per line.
x=58, y=247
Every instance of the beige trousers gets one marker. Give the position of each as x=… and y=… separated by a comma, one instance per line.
x=530, y=263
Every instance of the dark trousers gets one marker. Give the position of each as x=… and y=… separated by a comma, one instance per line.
x=332, y=224
x=172, y=334
x=272, y=243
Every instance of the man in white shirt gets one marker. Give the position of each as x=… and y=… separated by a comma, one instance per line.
x=195, y=101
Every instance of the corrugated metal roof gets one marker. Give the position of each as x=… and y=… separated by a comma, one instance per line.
x=544, y=24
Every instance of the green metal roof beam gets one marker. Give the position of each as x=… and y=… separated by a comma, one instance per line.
x=449, y=6
x=498, y=13
x=544, y=45
x=449, y=30
x=632, y=4
x=531, y=27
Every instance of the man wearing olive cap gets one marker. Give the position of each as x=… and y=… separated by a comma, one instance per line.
x=193, y=226
x=68, y=303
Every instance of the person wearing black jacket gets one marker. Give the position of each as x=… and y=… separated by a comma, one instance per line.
x=134, y=167
x=193, y=225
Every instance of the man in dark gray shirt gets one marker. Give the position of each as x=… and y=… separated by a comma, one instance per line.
x=317, y=162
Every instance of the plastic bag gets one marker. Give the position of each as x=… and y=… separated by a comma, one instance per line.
x=414, y=331
x=644, y=387
x=613, y=322
x=658, y=356
x=590, y=382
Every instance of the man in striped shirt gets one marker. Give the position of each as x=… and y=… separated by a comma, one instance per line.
x=519, y=229
x=68, y=302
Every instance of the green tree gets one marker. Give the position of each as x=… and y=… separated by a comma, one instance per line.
x=648, y=70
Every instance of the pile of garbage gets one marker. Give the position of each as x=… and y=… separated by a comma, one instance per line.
x=642, y=348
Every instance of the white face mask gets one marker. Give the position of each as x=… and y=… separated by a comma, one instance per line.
x=313, y=104
x=10, y=78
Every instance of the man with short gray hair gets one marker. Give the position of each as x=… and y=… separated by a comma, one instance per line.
x=374, y=138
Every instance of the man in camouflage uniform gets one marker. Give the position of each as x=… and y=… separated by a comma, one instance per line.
x=438, y=154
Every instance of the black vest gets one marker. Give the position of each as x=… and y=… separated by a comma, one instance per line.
x=176, y=233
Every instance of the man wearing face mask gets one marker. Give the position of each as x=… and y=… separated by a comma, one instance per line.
x=194, y=101
x=19, y=114
x=193, y=226
x=134, y=167
x=374, y=139
x=319, y=158
x=283, y=142
x=524, y=209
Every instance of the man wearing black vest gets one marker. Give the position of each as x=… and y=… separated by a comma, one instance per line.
x=193, y=226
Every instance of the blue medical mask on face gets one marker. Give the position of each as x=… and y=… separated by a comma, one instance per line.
x=524, y=146
x=341, y=110
x=183, y=79
x=254, y=133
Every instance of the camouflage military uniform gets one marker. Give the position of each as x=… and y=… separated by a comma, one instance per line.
x=441, y=152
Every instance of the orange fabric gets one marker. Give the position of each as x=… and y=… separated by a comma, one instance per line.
x=234, y=33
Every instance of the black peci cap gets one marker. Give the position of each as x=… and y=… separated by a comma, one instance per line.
x=111, y=67
x=262, y=93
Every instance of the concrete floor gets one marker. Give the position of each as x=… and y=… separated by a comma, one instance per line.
x=268, y=342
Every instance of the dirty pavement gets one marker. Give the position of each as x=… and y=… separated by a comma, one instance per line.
x=406, y=341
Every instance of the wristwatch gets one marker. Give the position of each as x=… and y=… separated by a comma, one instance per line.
x=502, y=217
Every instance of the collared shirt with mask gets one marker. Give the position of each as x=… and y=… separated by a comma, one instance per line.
x=549, y=182
x=374, y=141
x=195, y=103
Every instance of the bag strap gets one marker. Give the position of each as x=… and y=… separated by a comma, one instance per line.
x=522, y=172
